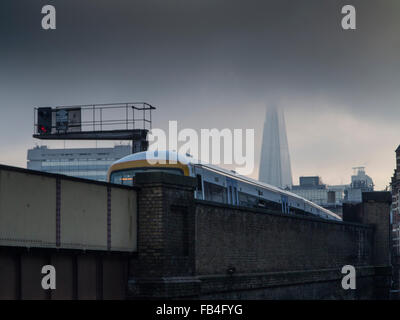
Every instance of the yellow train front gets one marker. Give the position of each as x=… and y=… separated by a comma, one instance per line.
x=124, y=170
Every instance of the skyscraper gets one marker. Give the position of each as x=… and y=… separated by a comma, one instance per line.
x=275, y=166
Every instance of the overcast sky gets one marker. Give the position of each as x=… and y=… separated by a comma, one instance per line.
x=215, y=63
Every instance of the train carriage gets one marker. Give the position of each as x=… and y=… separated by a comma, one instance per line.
x=215, y=183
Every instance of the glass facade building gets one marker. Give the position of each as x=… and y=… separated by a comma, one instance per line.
x=323, y=197
x=333, y=197
x=87, y=163
x=314, y=190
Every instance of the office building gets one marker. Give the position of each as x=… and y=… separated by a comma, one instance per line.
x=360, y=182
x=88, y=163
x=313, y=189
x=332, y=197
x=395, y=214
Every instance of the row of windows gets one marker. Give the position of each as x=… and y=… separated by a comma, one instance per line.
x=76, y=159
x=76, y=168
x=319, y=196
x=76, y=163
x=74, y=154
x=217, y=193
x=79, y=173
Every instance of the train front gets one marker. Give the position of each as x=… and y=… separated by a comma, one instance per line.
x=124, y=170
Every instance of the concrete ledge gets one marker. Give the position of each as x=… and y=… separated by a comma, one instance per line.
x=280, y=214
x=219, y=285
x=163, y=288
x=63, y=177
x=252, y=281
x=383, y=270
x=377, y=196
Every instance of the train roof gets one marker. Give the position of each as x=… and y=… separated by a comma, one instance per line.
x=268, y=187
x=156, y=154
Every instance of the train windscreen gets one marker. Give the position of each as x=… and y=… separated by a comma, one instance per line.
x=126, y=177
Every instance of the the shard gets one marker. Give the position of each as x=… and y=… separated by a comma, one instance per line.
x=275, y=166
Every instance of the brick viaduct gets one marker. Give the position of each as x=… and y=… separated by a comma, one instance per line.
x=191, y=249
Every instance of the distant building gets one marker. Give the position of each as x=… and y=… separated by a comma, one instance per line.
x=360, y=182
x=395, y=214
x=275, y=166
x=312, y=188
x=88, y=163
x=332, y=197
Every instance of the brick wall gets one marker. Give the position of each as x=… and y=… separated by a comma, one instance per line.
x=199, y=249
x=255, y=241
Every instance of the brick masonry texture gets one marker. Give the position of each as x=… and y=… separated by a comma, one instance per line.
x=265, y=242
x=187, y=246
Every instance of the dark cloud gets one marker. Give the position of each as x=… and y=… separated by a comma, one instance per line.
x=196, y=57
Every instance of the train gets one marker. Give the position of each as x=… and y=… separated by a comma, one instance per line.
x=215, y=183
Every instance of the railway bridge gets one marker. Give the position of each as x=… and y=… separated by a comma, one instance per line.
x=154, y=240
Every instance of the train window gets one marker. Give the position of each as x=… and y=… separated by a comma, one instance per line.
x=122, y=177
x=262, y=203
x=234, y=196
x=126, y=177
x=199, y=183
x=247, y=199
x=214, y=192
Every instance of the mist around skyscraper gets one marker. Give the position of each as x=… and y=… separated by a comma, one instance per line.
x=275, y=168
